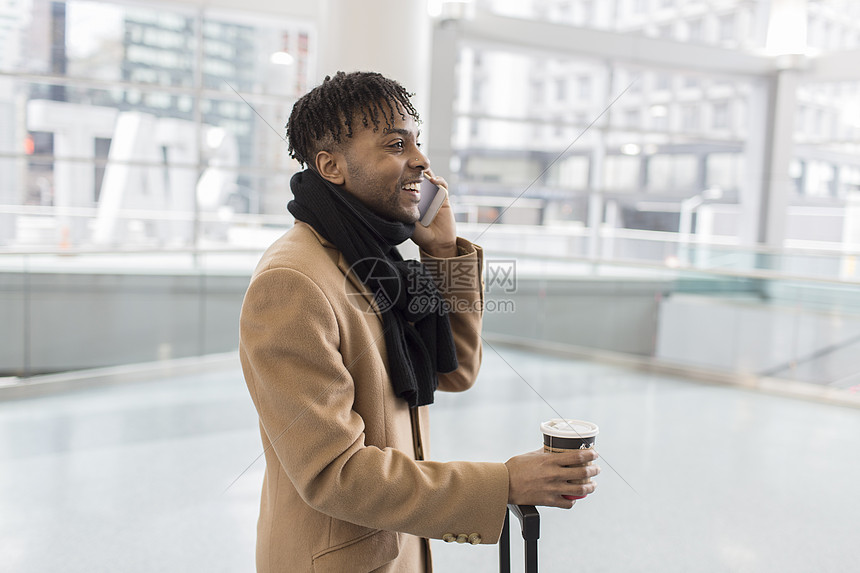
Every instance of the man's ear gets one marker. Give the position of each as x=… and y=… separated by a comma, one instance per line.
x=330, y=166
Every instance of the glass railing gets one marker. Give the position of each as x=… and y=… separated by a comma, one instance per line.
x=33, y=228
x=72, y=309
x=712, y=310
x=47, y=229
x=758, y=317
x=831, y=261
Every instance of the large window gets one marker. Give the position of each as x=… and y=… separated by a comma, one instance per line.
x=607, y=143
x=643, y=139
x=825, y=169
x=143, y=125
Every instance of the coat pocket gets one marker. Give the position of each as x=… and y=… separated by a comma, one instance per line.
x=361, y=555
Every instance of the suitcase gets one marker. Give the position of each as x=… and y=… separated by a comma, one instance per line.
x=529, y=519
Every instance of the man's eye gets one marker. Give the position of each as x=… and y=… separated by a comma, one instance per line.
x=397, y=144
x=418, y=144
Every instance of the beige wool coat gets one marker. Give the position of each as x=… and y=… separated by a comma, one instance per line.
x=347, y=487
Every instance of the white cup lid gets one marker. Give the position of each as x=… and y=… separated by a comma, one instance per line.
x=561, y=428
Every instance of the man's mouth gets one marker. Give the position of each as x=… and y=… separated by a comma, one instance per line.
x=413, y=189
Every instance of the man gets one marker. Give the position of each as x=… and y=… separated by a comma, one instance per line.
x=341, y=362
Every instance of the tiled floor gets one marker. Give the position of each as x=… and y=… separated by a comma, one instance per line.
x=695, y=478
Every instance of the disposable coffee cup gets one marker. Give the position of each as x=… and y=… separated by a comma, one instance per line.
x=562, y=435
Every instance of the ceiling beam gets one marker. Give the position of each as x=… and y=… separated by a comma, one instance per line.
x=562, y=40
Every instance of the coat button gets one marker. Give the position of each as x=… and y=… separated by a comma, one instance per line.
x=462, y=538
x=474, y=539
x=449, y=538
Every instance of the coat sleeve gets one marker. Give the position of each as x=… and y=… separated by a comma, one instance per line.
x=461, y=284
x=304, y=394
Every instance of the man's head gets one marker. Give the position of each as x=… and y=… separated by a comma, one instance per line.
x=325, y=117
x=360, y=130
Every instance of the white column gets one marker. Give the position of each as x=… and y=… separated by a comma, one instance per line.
x=391, y=37
x=786, y=40
x=441, y=102
x=770, y=148
x=596, y=176
x=760, y=124
x=777, y=183
x=73, y=183
x=764, y=198
x=595, y=197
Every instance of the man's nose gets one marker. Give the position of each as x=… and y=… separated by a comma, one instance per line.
x=420, y=161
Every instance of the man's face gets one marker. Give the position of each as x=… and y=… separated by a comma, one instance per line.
x=385, y=168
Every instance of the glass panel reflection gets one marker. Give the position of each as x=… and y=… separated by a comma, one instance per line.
x=126, y=116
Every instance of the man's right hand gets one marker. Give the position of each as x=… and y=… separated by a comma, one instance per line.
x=540, y=478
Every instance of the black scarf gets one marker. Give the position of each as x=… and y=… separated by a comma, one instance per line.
x=417, y=331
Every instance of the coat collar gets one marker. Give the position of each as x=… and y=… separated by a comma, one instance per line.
x=365, y=303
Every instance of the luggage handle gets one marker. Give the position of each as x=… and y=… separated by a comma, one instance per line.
x=529, y=519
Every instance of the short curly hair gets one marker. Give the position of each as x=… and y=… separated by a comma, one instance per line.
x=321, y=118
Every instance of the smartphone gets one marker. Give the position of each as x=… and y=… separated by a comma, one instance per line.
x=432, y=197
